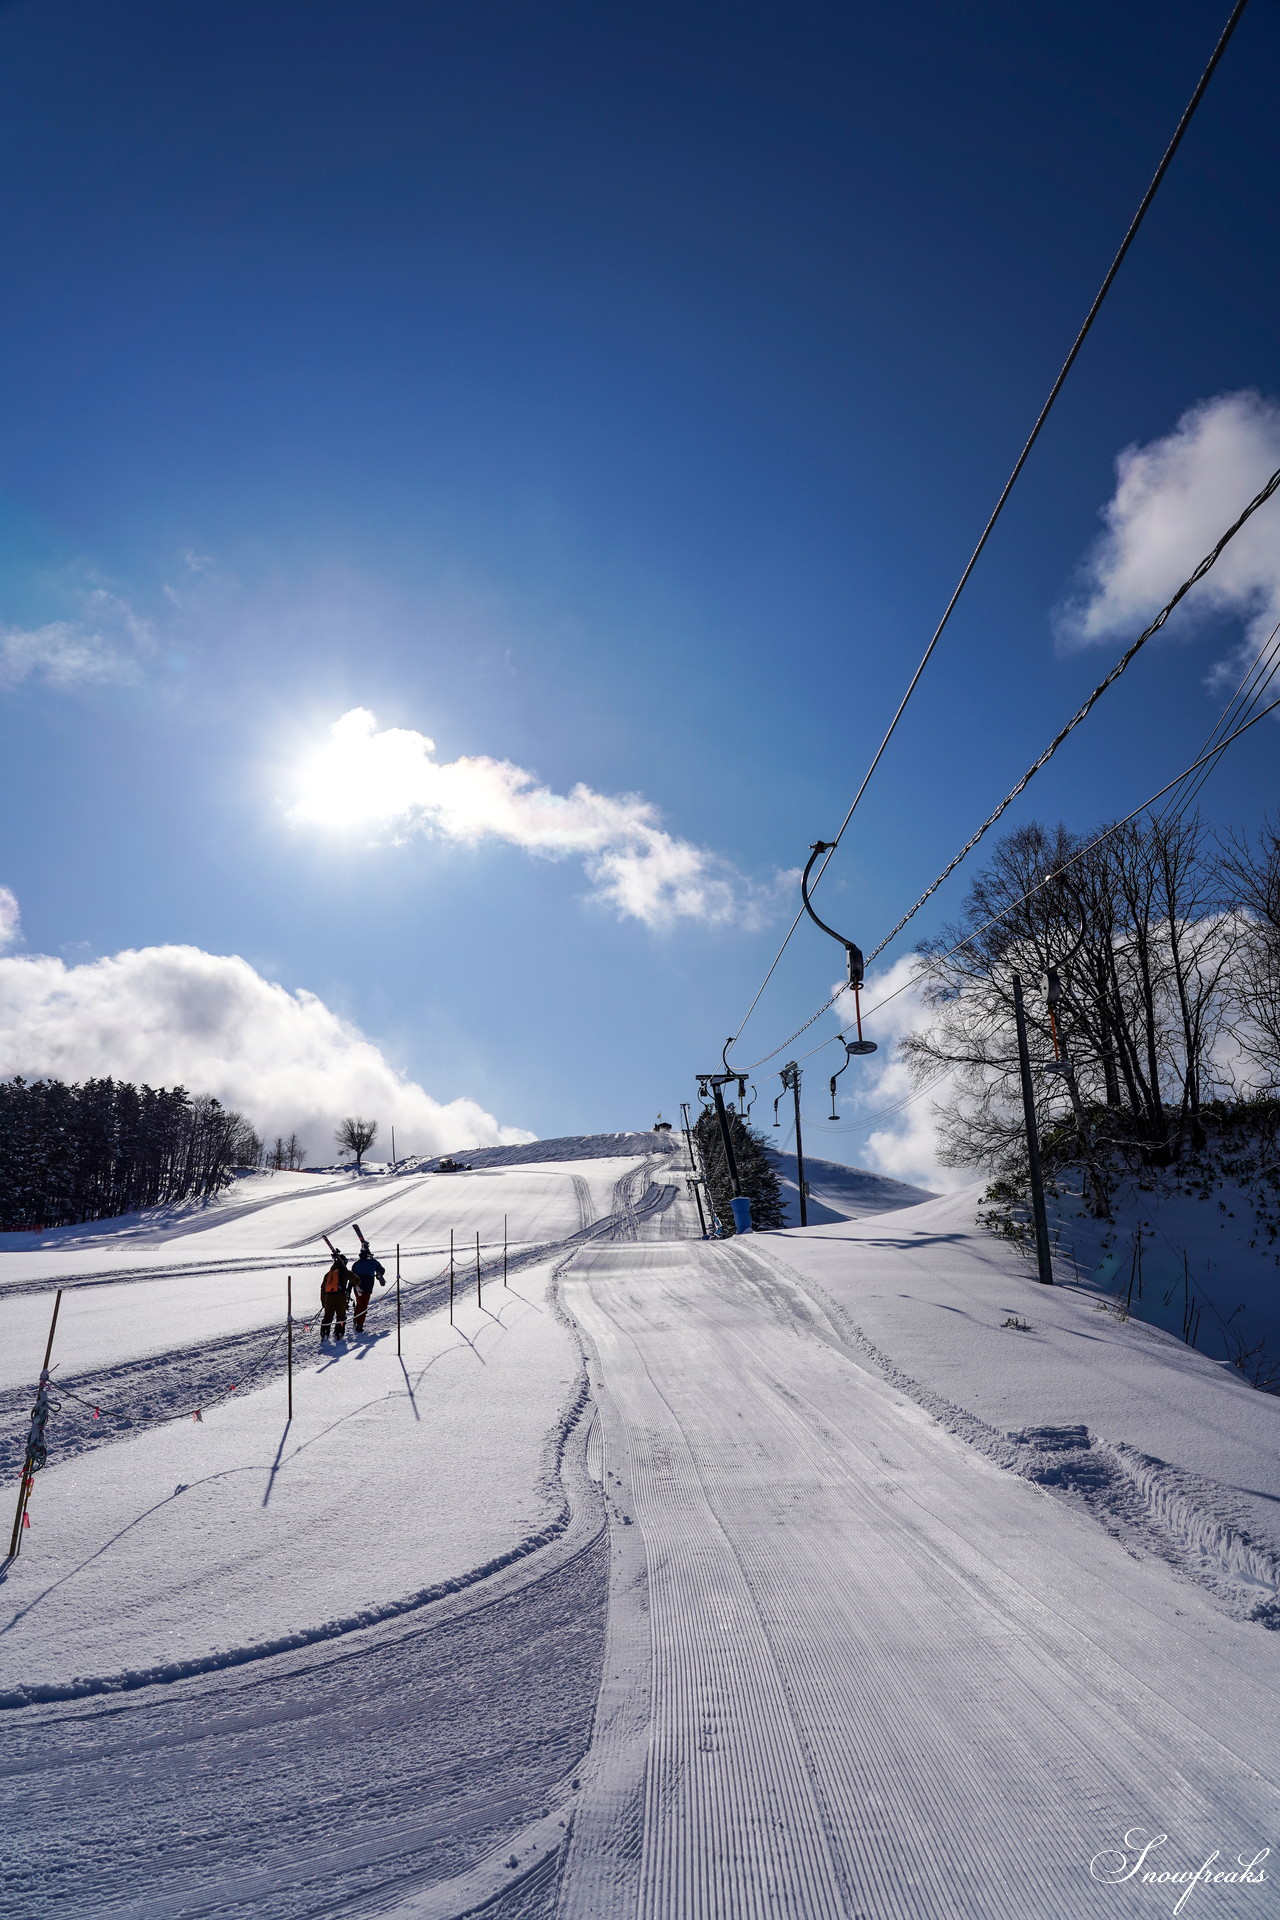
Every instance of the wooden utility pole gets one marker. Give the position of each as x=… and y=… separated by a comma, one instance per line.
x=1043, y=1259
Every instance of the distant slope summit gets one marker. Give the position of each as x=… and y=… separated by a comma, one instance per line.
x=569, y=1146
x=841, y=1193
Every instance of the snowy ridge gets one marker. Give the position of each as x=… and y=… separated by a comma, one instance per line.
x=571, y=1146
x=1185, y=1519
x=1181, y=1504
x=83, y=1686
x=838, y=1192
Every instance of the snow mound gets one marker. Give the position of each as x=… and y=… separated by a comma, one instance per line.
x=840, y=1193
x=585, y=1146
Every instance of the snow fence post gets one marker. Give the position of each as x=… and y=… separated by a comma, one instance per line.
x=397, y=1299
x=35, y=1438
x=1043, y=1261
x=451, y=1276
x=477, y=1266
x=289, y=1337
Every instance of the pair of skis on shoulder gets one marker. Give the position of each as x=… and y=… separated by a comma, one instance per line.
x=364, y=1244
x=365, y=1248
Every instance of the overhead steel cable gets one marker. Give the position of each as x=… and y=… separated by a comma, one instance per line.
x=1144, y=205
x=1262, y=671
x=1211, y=755
x=1080, y=715
x=1210, y=758
x=1084, y=711
x=886, y=1113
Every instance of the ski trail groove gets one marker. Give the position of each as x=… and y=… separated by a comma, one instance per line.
x=887, y=1679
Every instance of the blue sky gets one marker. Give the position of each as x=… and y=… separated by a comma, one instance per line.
x=614, y=392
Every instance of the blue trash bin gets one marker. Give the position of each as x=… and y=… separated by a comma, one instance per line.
x=741, y=1214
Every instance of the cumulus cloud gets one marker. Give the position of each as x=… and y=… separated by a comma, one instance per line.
x=172, y=1016
x=1173, y=501
x=105, y=645
x=10, y=927
x=905, y=1144
x=388, y=781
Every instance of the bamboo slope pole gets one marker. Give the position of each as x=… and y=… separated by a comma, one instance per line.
x=42, y=1394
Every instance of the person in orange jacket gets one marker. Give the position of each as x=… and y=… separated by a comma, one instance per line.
x=335, y=1291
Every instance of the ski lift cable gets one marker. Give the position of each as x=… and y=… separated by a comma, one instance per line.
x=1083, y=712
x=885, y=1113
x=1262, y=672
x=972, y=934
x=1210, y=755
x=1131, y=234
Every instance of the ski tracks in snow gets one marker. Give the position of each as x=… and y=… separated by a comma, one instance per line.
x=886, y=1681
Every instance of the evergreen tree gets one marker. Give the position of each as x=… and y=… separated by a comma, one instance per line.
x=90, y=1152
x=755, y=1171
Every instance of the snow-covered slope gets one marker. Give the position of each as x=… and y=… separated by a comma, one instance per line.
x=853, y=1668
x=838, y=1192
x=1042, y=1381
x=1202, y=1262
x=904, y=1551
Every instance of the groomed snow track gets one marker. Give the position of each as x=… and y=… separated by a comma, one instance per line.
x=877, y=1678
x=853, y=1669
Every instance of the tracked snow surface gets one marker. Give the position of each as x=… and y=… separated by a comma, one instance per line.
x=836, y=1572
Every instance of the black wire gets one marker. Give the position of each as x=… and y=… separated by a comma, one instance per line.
x=1262, y=672
x=1212, y=755
x=1131, y=234
x=1084, y=711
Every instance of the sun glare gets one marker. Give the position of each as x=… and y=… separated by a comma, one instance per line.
x=354, y=781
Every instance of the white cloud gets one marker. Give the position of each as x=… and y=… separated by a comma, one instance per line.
x=905, y=1145
x=10, y=928
x=389, y=781
x=171, y=1016
x=105, y=646
x=1173, y=501
x=63, y=654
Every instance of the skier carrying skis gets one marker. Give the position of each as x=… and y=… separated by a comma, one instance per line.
x=335, y=1289
x=364, y=1272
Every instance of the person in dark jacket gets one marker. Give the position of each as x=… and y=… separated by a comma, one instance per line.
x=335, y=1291
x=363, y=1273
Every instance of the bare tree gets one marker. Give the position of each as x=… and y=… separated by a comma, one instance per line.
x=1252, y=872
x=1139, y=930
x=357, y=1136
